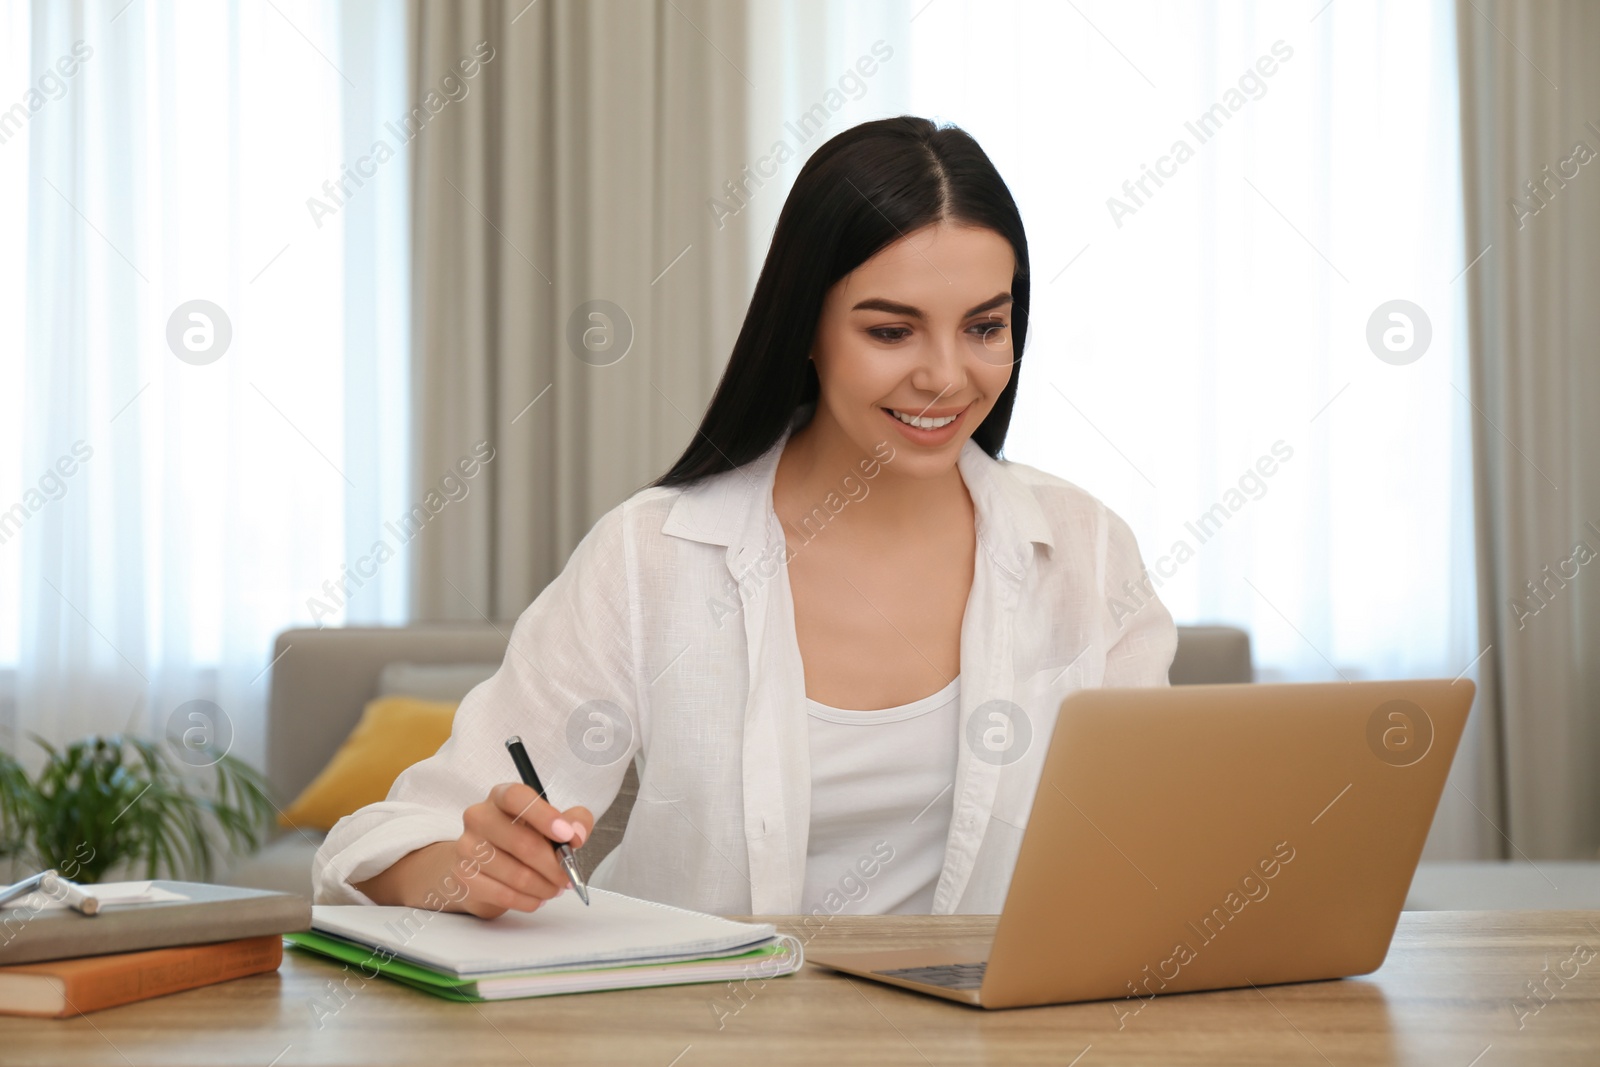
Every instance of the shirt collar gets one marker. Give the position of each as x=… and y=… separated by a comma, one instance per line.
x=734, y=508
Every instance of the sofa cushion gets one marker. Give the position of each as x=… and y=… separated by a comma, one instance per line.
x=394, y=732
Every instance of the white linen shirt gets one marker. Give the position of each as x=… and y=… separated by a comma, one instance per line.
x=669, y=639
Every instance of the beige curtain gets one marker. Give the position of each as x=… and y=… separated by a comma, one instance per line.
x=1531, y=146
x=565, y=153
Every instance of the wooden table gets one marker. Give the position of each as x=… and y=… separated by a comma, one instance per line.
x=1448, y=995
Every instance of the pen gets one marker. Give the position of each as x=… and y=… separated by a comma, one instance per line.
x=72, y=894
x=519, y=756
x=24, y=887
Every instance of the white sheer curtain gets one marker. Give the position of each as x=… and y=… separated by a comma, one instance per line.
x=1217, y=319
x=209, y=496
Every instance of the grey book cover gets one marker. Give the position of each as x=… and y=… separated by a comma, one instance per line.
x=211, y=913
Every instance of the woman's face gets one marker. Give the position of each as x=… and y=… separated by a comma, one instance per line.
x=920, y=332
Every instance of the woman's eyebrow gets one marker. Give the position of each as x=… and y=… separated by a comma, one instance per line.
x=893, y=308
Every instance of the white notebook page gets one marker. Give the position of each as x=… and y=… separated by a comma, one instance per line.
x=562, y=934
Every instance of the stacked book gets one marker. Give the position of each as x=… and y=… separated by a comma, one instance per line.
x=619, y=942
x=148, y=939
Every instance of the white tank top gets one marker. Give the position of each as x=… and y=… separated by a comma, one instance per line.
x=882, y=793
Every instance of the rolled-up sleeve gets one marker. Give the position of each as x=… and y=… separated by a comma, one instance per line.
x=1141, y=638
x=567, y=687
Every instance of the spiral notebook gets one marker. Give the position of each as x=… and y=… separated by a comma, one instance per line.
x=618, y=942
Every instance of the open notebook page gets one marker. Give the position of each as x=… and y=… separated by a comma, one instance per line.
x=562, y=934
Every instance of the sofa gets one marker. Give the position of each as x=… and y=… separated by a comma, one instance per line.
x=321, y=679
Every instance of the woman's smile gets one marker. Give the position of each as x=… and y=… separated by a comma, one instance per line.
x=927, y=427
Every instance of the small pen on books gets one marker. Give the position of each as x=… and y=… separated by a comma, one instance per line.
x=71, y=893
x=24, y=887
x=530, y=777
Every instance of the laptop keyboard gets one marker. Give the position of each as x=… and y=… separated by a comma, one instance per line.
x=946, y=976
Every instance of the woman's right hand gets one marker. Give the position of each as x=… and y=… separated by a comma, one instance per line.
x=503, y=861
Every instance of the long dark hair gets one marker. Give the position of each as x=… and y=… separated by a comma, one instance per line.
x=859, y=192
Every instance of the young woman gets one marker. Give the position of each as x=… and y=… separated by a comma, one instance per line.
x=833, y=637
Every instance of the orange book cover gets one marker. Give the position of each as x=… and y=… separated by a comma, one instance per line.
x=62, y=988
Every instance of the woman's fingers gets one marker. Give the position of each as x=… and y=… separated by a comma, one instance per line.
x=457, y=873
x=493, y=882
x=505, y=854
x=488, y=898
x=526, y=881
x=516, y=839
x=582, y=822
x=541, y=879
x=523, y=805
x=522, y=870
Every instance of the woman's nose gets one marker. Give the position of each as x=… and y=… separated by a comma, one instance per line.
x=943, y=368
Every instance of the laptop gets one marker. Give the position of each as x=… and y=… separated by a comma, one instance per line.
x=1205, y=837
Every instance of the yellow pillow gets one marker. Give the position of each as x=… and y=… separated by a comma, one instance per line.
x=394, y=732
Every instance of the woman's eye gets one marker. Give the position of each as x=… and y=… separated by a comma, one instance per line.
x=883, y=333
x=988, y=330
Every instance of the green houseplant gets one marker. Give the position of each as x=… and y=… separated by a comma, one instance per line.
x=115, y=798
